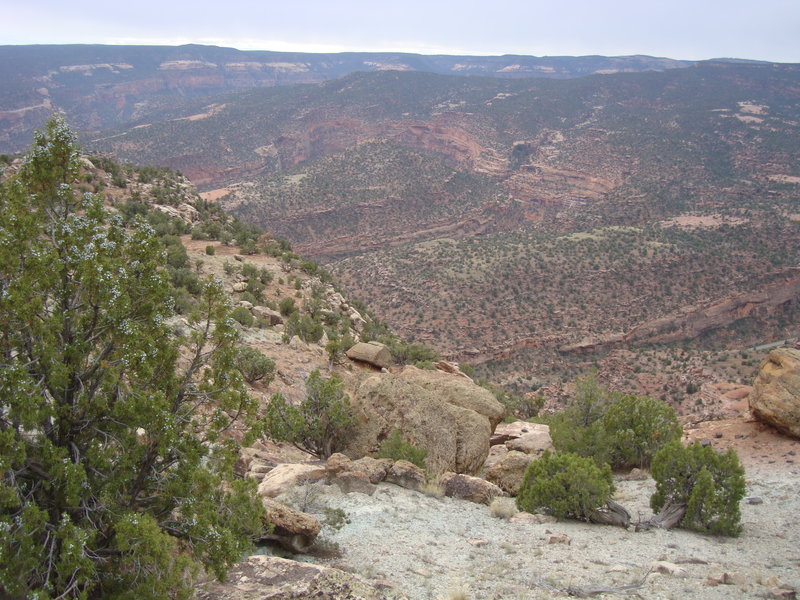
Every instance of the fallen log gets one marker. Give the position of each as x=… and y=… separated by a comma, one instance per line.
x=612, y=514
x=669, y=516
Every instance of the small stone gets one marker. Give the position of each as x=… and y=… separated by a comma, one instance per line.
x=668, y=568
x=531, y=519
x=618, y=569
x=755, y=500
x=718, y=435
x=560, y=538
x=789, y=593
x=734, y=579
x=690, y=560
x=422, y=572
x=478, y=542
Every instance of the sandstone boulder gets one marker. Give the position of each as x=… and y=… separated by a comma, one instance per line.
x=372, y=353
x=354, y=481
x=775, y=398
x=286, y=476
x=374, y=468
x=511, y=431
x=535, y=442
x=272, y=578
x=508, y=472
x=406, y=474
x=458, y=391
x=273, y=317
x=469, y=488
x=456, y=438
x=292, y=529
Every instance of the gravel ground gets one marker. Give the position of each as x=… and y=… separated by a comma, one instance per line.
x=423, y=547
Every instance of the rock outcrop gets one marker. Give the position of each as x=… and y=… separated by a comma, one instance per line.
x=372, y=353
x=286, y=476
x=291, y=528
x=775, y=398
x=452, y=422
x=508, y=472
x=272, y=578
x=530, y=438
x=457, y=391
x=470, y=488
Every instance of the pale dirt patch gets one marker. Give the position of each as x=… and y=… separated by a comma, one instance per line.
x=690, y=222
x=212, y=110
x=784, y=178
x=214, y=195
x=749, y=119
x=753, y=109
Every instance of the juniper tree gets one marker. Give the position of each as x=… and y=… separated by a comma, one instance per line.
x=115, y=466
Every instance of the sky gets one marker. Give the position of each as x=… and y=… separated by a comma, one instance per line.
x=680, y=29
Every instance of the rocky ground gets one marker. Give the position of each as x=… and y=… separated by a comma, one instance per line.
x=421, y=547
x=408, y=544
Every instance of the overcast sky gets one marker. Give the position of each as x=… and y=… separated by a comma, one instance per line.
x=684, y=29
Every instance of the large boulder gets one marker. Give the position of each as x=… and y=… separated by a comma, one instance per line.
x=272, y=578
x=458, y=391
x=406, y=475
x=373, y=468
x=456, y=438
x=775, y=398
x=291, y=528
x=535, y=441
x=372, y=353
x=470, y=488
x=509, y=471
x=287, y=476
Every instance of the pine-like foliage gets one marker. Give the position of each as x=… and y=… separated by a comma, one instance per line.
x=708, y=483
x=565, y=485
x=319, y=424
x=396, y=448
x=636, y=428
x=115, y=473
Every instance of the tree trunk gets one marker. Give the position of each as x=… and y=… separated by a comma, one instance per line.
x=613, y=514
x=670, y=515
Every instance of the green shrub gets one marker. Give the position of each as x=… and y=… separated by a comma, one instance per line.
x=243, y=316
x=254, y=366
x=320, y=424
x=591, y=441
x=248, y=297
x=565, y=485
x=210, y=250
x=229, y=267
x=708, y=483
x=305, y=327
x=624, y=431
x=287, y=306
x=636, y=428
x=397, y=448
x=249, y=270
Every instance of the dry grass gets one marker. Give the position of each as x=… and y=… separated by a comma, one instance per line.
x=433, y=487
x=458, y=591
x=503, y=508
